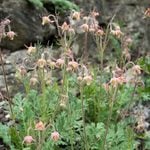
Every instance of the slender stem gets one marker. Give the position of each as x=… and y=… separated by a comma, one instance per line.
x=83, y=118
x=5, y=80
x=109, y=117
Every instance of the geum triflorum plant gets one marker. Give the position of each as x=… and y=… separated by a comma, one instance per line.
x=84, y=108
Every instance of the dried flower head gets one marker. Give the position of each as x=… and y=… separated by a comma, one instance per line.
x=55, y=136
x=117, y=32
x=28, y=139
x=85, y=27
x=60, y=62
x=52, y=64
x=64, y=27
x=6, y=22
x=22, y=71
x=11, y=35
x=117, y=81
x=136, y=70
x=73, y=65
x=31, y=50
x=41, y=63
x=33, y=81
x=46, y=20
x=40, y=126
x=99, y=32
x=76, y=15
x=94, y=14
x=87, y=79
x=147, y=13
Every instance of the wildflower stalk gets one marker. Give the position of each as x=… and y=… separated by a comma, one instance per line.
x=83, y=118
x=109, y=117
x=5, y=80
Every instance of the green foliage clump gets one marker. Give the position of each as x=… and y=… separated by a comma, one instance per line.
x=60, y=5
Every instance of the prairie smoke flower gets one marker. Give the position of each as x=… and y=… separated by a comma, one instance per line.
x=79, y=79
x=136, y=70
x=6, y=22
x=117, y=32
x=33, y=81
x=40, y=126
x=76, y=15
x=60, y=62
x=41, y=63
x=11, y=35
x=52, y=64
x=92, y=29
x=99, y=32
x=85, y=27
x=55, y=136
x=87, y=79
x=28, y=139
x=46, y=20
x=117, y=81
x=73, y=65
x=94, y=14
x=147, y=13
x=71, y=31
x=31, y=50
x=106, y=87
x=22, y=71
x=64, y=27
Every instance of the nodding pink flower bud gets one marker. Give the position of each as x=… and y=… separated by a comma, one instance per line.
x=33, y=81
x=147, y=13
x=6, y=22
x=60, y=62
x=46, y=20
x=117, y=81
x=85, y=27
x=65, y=27
x=31, y=50
x=28, y=139
x=40, y=126
x=11, y=35
x=41, y=63
x=100, y=32
x=74, y=65
x=55, y=136
x=88, y=79
x=22, y=71
x=136, y=70
x=94, y=14
x=76, y=15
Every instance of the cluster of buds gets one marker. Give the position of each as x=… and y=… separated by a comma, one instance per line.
x=10, y=34
x=40, y=126
x=116, y=32
x=147, y=13
x=116, y=81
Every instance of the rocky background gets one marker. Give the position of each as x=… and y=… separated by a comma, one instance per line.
x=26, y=22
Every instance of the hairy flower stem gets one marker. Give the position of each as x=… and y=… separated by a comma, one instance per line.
x=5, y=80
x=109, y=118
x=83, y=118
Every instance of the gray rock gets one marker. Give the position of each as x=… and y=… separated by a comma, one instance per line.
x=26, y=22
